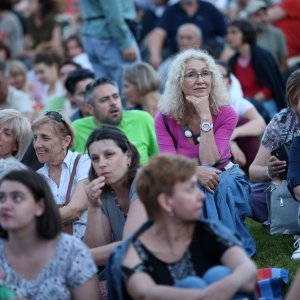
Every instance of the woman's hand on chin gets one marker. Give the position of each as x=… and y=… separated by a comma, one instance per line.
x=200, y=103
x=93, y=191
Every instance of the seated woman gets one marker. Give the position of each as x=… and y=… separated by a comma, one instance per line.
x=141, y=87
x=244, y=142
x=168, y=256
x=37, y=260
x=114, y=210
x=65, y=171
x=256, y=69
x=282, y=129
x=197, y=121
x=15, y=134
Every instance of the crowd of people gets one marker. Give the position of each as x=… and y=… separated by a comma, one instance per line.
x=136, y=138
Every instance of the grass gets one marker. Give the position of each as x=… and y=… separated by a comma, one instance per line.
x=273, y=250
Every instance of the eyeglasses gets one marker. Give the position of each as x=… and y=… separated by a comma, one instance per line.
x=193, y=76
x=56, y=116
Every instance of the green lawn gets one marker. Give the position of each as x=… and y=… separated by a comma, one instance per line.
x=273, y=250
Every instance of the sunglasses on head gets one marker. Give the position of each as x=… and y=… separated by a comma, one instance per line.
x=56, y=116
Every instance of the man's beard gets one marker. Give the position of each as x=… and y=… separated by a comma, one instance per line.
x=260, y=28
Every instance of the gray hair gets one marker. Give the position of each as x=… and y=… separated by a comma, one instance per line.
x=20, y=127
x=196, y=30
x=10, y=164
x=172, y=102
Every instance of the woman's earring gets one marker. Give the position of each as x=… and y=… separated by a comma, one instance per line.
x=170, y=213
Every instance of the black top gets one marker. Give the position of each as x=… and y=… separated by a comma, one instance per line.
x=204, y=252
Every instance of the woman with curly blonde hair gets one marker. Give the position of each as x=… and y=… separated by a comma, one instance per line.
x=197, y=121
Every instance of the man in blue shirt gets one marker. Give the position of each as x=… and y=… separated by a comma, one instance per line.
x=201, y=13
x=107, y=38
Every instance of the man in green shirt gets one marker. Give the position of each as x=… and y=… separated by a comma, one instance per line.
x=103, y=95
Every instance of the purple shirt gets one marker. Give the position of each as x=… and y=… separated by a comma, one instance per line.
x=224, y=124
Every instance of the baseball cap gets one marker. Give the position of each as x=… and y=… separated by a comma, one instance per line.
x=254, y=6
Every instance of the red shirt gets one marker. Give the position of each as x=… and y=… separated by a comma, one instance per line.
x=290, y=25
x=250, y=85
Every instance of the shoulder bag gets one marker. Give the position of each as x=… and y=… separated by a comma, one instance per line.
x=68, y=226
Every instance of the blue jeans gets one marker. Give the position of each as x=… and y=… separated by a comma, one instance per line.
x=106, y=57
x=212, y=275
x=229, y=204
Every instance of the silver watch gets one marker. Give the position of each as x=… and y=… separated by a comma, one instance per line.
x=206, y=126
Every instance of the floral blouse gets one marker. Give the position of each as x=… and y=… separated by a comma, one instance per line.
x=71, y=266
x=282, y=129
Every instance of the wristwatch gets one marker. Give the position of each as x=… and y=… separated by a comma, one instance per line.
x=206, y=126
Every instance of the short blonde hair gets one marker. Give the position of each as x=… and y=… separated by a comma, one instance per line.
x=143, y=76
x=172, y=102
x=20, y=127
x=62, y=128
x=19, y=67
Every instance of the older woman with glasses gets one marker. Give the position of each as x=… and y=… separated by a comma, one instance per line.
x=66, y=172
x=197, y=121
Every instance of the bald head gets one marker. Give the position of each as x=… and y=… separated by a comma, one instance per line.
x=189, y=36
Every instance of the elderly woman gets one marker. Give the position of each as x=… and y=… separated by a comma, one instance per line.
x=141, y=85
x=15, y=134
x=37, y=260
x=65, y=171
x=197, y=121
x=114, y=209
x=175, y=255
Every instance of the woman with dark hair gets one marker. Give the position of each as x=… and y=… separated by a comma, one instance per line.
x=37, y=260
x=42, y=26
x=113, y=209
x=255, y=68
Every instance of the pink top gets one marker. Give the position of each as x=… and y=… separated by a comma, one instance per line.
x=224, y=124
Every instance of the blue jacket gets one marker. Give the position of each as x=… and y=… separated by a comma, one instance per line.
x=114, y=264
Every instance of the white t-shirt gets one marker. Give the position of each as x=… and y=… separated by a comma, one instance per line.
x=237, y=100
x=18, y=100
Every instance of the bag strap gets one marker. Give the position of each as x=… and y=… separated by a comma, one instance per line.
x=68, y=198
x=169, y=130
